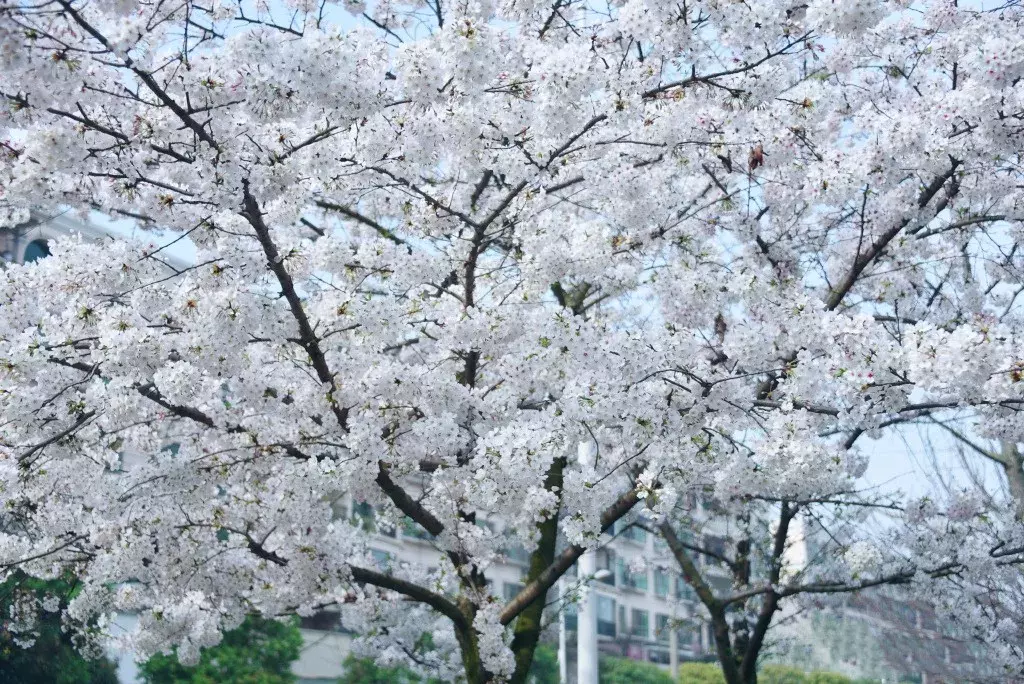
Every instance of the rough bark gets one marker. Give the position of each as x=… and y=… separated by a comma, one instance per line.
x=528, y=624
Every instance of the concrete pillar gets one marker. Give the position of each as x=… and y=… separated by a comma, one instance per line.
x=673, y=652
x=586, y=624
x=563, y=656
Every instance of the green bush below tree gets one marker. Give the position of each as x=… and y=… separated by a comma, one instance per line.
x=615, y=670
x=52, y=658
x=365, y=671
x=257, y=652
x=711, y=673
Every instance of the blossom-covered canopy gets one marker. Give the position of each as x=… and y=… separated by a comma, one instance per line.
x=441, y=244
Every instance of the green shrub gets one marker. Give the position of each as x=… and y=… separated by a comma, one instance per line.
x=833, y=678
x=700, y=673
x=711, y=673
x=544, y=670
x=52, y=659
x=625, y=671
x=366, y=671
x=259, y=651
x=782, y=674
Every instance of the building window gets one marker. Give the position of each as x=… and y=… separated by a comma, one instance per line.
x=606, y=561
x=634, y=533
x=365, y=517
x=605, y=615
x=661, y=627
x=37, y=249
x=322, y=621
x=684, y=592
x=662, y=586
x=687, y=636
x=571, y=617
x=716, y=546
x=512, y=590
x=382, y=559
x=362, y=516
x=639, y=623
x=515, y=553
x=633, y=580
x=413, y=530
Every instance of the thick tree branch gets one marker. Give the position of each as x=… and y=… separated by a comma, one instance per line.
x=748, y=665
x=862, y=261
x=546, y=579
x=528, y=624
x=413, y=591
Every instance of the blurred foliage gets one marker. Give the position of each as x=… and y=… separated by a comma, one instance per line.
x=365, y=671
x=544, y=669
x=52, y=659
x=700, y=673
x=259, y=651
x=626, y=671
x=711, y=673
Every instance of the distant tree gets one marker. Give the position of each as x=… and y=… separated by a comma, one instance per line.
x=258, y=652
x=784, y=674
x=52, y=658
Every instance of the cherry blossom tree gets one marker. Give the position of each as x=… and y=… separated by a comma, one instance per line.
x=441, y=244
x=777, y=559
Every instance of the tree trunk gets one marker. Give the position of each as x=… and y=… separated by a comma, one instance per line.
x=723, y=648
x=1013, y=466
x=528, y=624
x=475, y=672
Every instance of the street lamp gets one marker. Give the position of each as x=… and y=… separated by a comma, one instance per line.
x=582, y=646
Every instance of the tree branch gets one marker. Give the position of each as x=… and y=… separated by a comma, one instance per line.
x=413, y=591
x=546, y=579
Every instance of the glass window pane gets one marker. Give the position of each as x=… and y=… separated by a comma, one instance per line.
x=37, y=249
x=639, y=623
